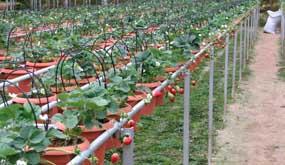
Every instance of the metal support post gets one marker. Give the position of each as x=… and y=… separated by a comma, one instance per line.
x=35, y=5
x=253, y=25
x=210, y=114
x=282, y=34
x=226, y=73
x=249, y=33
x=234, y=63
x=186, y=128
x=241, y=52
x=244, y=43
x=248, y=39
x=256, y=23
x=40, y=5
x=252, y=30
x=128, y=150
x=7, y=5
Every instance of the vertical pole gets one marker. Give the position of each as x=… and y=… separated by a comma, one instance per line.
x=31, y=4
x=226, y=73
x=244, y=42
x=253, y=25
x=104, y=2
x=234, y=63
x=282, y=33
x=186, y=128
x=35, y=5
x=128, y=150
x=11, y=4
x=282, y=27
x=48, y=4
x=252, y=30
x=248, y=39
x=7, y=5
x=256, y=22
x=40, y=5
x=249, y=33
x=66, y=3
x=210, y=114
x=241, y=51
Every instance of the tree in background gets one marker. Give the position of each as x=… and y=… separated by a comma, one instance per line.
x=270, y=5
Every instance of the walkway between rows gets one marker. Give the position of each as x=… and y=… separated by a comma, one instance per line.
x=254, y=132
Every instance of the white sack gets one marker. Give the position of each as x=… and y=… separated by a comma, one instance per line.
x=273, y=21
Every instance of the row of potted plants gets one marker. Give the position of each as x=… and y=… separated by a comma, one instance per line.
x=82, y=115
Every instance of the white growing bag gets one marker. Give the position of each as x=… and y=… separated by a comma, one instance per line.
x=273, y=21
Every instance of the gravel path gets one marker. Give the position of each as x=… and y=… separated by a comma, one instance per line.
x=254, y=133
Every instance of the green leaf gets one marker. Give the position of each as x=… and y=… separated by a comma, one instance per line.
x=32, y=157
x=155, y=52
x=19, y=142
x=101, y=101
x=101, y=114
x=32, y=108
x=37, y=136
x=6, y=150
x=68, y=118
x=40, y=147
x=57, y=117
x=124, y=87
x=26, y=132
x=56, y=133
x=113, y=108
x=116, y=79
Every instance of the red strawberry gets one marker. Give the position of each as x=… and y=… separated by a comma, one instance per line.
x=169, y=87
x=131, y=123
x=115, y=157
x=157, y=94
x=173, y=91
x=172, y=99
x=181, y=90
x=127, y=140
x=193, y=83
x=207, y=55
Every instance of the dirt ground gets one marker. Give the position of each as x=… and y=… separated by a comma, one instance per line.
x=254, y=132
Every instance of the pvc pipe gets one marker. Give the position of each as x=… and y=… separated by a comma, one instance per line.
x=7, y=103
x=26, y=76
